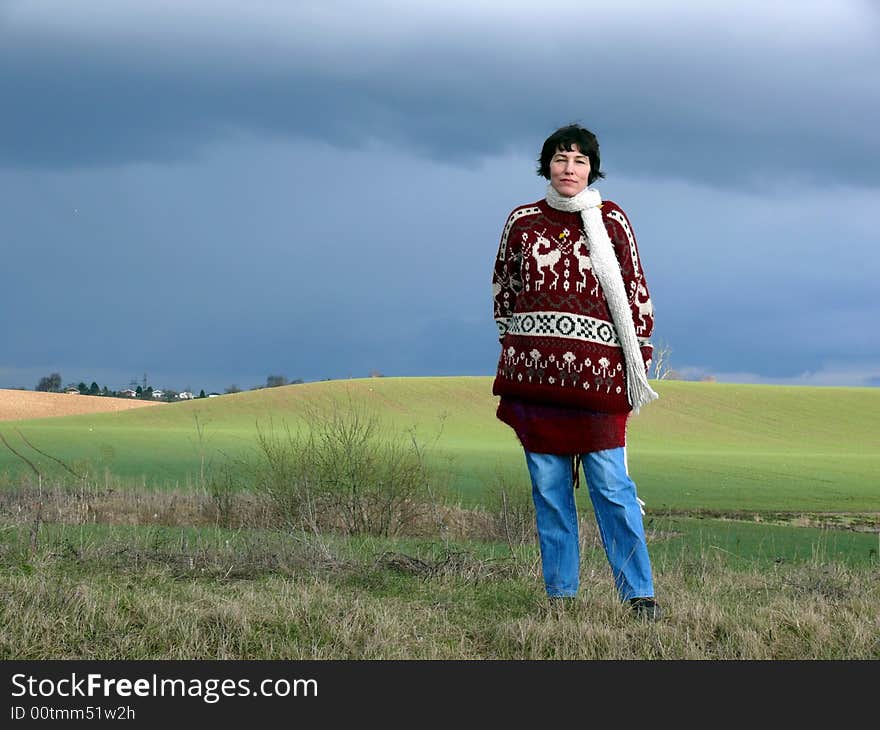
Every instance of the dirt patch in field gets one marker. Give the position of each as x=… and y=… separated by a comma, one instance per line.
x=18, y=405
x=854, y=521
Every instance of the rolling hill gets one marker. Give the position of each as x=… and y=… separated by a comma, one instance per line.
x=701, y=446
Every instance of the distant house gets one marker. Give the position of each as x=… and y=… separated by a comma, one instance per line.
x=185, y=395
x=129, y=392
x=158, y=393
x=72, y=389
x=213, y=395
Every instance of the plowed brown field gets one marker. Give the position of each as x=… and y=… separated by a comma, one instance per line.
x=16, y=405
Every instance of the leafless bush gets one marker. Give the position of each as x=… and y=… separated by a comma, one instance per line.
x=513, y=514
x=342, y=470
x=661, y=361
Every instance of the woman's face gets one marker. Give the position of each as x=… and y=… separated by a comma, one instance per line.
x=569, y=171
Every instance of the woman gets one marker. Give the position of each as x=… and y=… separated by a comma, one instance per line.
x=574, y=317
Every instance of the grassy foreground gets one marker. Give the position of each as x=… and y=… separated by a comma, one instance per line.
x=175, y=584
x=181, y=594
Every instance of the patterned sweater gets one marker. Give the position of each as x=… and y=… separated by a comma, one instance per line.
x=559, y=343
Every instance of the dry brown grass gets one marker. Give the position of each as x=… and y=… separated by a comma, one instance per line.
x=18, y=405
x=121, y=574
x=278, y=597
x=121, y=505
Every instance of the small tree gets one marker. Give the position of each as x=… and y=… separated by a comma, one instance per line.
x=202, y=393
x=660, y=362
x=94, y=389
x=83, y=388
x=273, y=381
x=50, y=383
x=233, y=389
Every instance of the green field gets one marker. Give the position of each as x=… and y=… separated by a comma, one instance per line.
x=702, y=446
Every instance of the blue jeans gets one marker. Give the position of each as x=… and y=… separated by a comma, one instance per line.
x=618, y=516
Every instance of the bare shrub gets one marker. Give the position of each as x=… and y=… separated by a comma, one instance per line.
x=513, y=513
x=342, y=470
x=221, y=489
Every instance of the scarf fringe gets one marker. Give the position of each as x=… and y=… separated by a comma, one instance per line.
x=638, y=392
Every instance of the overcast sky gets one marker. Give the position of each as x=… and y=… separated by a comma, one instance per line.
x=213, y=192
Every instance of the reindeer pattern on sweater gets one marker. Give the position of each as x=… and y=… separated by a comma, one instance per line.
x=558, y=341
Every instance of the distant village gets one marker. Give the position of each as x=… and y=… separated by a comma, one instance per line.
x=53, y=384
x=149, y=393
x=133, y=391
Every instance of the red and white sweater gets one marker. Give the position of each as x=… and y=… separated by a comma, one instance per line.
x=559, y=343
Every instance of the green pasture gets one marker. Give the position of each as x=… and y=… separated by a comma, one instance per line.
x=701, y=446
x=744, y=545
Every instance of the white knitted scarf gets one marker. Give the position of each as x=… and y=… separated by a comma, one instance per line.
x=607, y=271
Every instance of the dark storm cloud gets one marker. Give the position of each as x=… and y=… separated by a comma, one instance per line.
x=709, y=95
x=240, y=265
x=212, y=192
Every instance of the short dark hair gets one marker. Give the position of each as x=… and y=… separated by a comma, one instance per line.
x=565, y=138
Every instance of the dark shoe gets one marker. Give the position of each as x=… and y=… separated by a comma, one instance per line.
x=646, y=609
